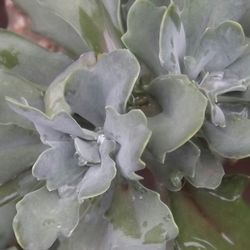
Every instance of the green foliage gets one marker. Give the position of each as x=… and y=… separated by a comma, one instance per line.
x=140, y=83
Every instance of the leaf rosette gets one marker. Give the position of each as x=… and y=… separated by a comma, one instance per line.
x=89, y=121
x=82, y=163
x=201, y=85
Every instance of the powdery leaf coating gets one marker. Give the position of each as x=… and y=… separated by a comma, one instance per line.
x=97, y=179
x=15, y=86
x=177, y=123
x=58, y=166
x=124, y=129
x=15, y=54
x=55, y=128
x=44, y=213
x=172, y=42
x=142, y=36
x=19, y=150
x=136, y=219
x=109, y=82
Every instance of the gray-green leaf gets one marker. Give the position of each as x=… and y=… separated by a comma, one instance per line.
x=97, y=233
x=56, y=128
x=233, y=140
x=97, y=27
x=29, y=60
x=19, y=149
x=142, y=36
x=7, y=214
x=172, y=41
x=62, y=31
x=198, y=15
x=97, y=179
x=58, y=166
x=54, y=96
x=124, y=129
x=183, y=110
x=140, y=215
x=43, y=213
x=15, y=86
x=208, y=171
x=109, y=82
x=219, y=47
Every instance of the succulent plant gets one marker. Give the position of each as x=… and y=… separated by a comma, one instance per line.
x=159, y=85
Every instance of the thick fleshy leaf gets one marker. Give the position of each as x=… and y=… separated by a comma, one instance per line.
x=61, y=31
x=110, y=82
x=18, y=187
x=97, y=233
x=114, y=9
x=240, y=98
x=241, y=67
x=142, y=36
x=139, y=213
x=172, y=41
x=209, y=170
x=96, y=24
x=87, y=152
x=7, y=214
x=43, y=213
x=123, y=129
x=216, y=84
x=78, y=20
x=218, y=48
x=58, y=166
x=54, y=96
x=172, y=127
x=208, y=13
x=56, y=128
x=19, y=150
x=42, y=67
x=15, y=86
x=213, y=219
x=98, y=178
x=178, y=164
x=232, y=141
x=192, y=161
x=90, y=232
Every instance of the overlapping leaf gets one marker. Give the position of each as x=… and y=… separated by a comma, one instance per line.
x=183, y=111
x=56, y=128
x=80, y=24
x=213, y=219
x=15, y=55
x=123, y=129
x=137, y=219
x=54, y=96
x=18, y=187
x=19, y=149
x=62, y=31
x=58, y=166
x=172, y=41
x=231, y=141
x=98, y=178
x=216, y=84
x=142, y=36
x=7, y=214
x=218, y=48
x=109, y=82
x=198, y=15
x=43, y=213
x=192, y=161
x=17, y=87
